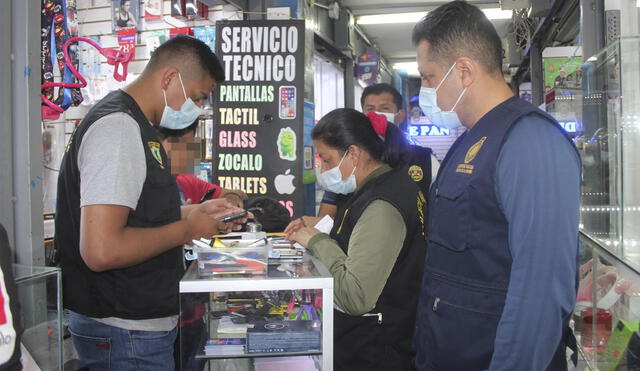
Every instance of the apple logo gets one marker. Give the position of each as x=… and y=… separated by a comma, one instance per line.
x=284, y=183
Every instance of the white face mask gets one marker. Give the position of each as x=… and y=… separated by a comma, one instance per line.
x=429, y=104
x=177, y=120
x=390, y=116
x=331, y=180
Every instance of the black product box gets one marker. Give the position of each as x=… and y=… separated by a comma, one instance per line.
x=284, y=337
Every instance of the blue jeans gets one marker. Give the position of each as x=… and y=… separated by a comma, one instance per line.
x=103, y=347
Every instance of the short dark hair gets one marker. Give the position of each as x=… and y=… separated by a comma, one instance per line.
x=460, y=29
x=174, y=133
x=184, y=46
x=377, y=89
x=344, y=127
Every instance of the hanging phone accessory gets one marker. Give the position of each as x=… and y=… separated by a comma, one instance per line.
x=114, y=57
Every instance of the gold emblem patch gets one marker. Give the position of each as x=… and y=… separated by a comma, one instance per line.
x=467, y=168
x=473, y=151
x=416, y=173
x=420, y=203
x=154, y=147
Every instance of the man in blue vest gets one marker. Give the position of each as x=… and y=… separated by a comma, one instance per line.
x=500, y=278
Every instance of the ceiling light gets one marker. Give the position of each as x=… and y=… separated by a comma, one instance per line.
x=415, y=17
x=497, y=13
x=405, y=65
x=411, y=68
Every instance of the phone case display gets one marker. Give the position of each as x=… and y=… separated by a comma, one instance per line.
x=234, y=321
x=610, y=149
x=58, y=25
x=40, y=300
x=152, y=10
x=606, y=318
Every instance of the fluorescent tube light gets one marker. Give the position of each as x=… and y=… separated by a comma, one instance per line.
x=415, y=17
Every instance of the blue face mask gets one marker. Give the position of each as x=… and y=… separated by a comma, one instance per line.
x=429, y=104
x=177, y=120
x=331, y=180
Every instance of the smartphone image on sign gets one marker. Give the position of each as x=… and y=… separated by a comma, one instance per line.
x=287, y=109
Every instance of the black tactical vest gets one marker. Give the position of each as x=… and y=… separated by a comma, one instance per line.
x=374, y=342
x=143, y=291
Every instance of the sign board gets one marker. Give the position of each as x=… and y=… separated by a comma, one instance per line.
x=258, y=110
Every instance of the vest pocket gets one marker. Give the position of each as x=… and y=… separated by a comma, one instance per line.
x=461, y=324
x=450, y=226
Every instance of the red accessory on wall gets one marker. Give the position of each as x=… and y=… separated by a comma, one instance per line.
x=114, y=57
x=379, y=123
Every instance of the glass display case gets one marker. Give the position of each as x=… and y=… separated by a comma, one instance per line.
x=279, y=320
x=40, y=297
x=607, y=314
x=611, y=149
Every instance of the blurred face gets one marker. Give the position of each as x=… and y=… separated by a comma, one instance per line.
x=432, y=74
x=184, y=154
x=331, y=157
x=382, y=103
x=126, y=6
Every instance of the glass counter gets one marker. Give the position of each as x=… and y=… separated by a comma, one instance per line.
x=40, y=297
x=280, y=320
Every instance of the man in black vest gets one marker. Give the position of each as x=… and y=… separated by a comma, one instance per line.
x=119, y=224
x=500, y=276
x=422, y=166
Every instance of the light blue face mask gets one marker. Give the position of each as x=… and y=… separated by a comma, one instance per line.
x=177, y=120
x=429, y=104
x=331, y=180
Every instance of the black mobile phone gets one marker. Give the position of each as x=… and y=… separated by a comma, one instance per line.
x=234, y=216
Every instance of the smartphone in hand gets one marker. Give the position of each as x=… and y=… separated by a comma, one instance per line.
x=233, y=217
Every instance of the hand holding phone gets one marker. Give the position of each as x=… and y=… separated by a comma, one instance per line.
x=233, y=217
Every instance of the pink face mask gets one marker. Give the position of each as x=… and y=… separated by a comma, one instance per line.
x=114, y=57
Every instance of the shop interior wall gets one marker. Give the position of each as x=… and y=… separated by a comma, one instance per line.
x=6, y=156
x=95, y=20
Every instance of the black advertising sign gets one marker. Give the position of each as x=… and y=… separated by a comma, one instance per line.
x=258, y=110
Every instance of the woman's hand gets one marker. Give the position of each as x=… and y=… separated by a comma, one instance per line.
x=305, y=221
x=303, y=235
